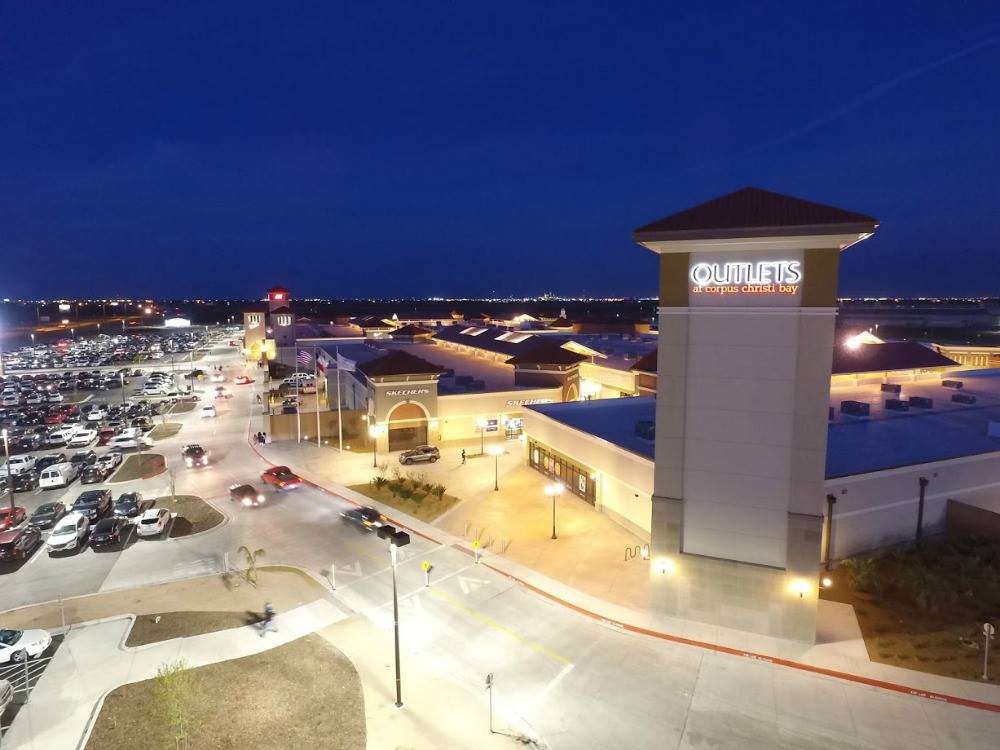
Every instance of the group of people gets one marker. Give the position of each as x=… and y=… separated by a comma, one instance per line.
x=260, y=438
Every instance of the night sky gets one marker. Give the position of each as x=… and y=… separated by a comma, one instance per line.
x=382, y=149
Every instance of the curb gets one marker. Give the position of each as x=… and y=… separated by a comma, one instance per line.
x=704, y=645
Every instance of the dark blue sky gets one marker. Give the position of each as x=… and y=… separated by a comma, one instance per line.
x=463, y=148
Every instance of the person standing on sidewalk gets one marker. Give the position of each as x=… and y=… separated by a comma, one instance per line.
x=463, y=456
x=268, y=622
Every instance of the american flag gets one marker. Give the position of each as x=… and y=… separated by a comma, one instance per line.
x=304, y=358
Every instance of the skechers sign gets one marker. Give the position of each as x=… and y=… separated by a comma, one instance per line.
x=762, y=277
x=409, y=392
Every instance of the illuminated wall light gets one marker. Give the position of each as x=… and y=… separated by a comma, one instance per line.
x=665, y=566
x=827, y=582
x=800, y=586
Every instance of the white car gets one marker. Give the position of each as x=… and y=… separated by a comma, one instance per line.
x=208, y=410
x=18, y=645
x=18, y=465
x=153, y=522
x=82, y=439
x=33, y=399
x=217, y=377
x=11, y=400
x=68, y=534
x=110, y=461
x=97, y=414
x=55, y=397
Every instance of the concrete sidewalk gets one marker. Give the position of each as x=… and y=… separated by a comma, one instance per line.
x=839, y=647
x=91, y=662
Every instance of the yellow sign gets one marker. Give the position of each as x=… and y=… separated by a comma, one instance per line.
x=425, y=566
x=475, y=544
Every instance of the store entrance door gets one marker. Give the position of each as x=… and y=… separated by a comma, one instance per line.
x=407, y=427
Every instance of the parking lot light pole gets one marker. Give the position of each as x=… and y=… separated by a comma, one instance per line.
x=496, y=451
x=554, y=490
x=10, y=479
x=374, y=431
x=396, y=539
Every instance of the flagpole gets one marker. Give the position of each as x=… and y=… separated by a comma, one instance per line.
x=298, y=410
x=316, y=383
x=340, y=424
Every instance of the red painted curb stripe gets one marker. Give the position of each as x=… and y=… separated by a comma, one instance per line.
x=715, y=647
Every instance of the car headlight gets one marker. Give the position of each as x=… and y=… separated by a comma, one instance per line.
x=247, y=502
x=189, y=461
x=260, y=498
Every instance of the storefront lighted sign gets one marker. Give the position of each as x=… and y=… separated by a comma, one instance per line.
x=528, y=401
x=409, y=392
x=762, y=277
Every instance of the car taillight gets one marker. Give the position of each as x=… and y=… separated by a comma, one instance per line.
x=247, y=502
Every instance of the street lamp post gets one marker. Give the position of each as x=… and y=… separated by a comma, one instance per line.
x=396, y=539
x=481, y=424
x=374, y=431
x=496, y=451
x=554, y=490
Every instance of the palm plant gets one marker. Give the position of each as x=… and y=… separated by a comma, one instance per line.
x=250, y=573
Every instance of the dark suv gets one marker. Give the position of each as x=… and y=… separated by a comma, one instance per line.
x=94, y=504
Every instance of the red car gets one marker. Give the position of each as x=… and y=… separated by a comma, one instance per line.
x=105, y=434
x=8, y=520
x=282, y=478
x=242, y=380
x=55, y=418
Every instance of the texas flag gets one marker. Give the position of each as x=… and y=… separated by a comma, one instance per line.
x=322, y=362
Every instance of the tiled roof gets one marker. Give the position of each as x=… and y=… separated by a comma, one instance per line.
x=754, y=212
x=892, y=355
x=398, y=362
x=547, y=353
x=412, y=329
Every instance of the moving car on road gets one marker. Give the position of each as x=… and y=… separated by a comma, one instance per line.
x=194, y=455
x=11, y=518
x=153, y=522
x=47, y=515
x=367, y=517
x=242, y=380
x=110, y=532
x=208, y=410
x=19, y=645
x=246, y=495
x=19, y=544
x=94, y=504
x=281, y=477
x=426, y=453
x=68, y=533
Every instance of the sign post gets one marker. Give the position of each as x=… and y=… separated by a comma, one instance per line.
x=427, y=568
x=489, y=689
x=988, y=631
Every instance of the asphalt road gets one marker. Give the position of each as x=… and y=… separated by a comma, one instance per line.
x=566, y=680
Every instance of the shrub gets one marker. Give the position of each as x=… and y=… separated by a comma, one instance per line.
x=439, y=490
x=395, y=486
x=860, y=572
x=379, y=481
x=405, y=492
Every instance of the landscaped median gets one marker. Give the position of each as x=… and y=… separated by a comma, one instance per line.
x=192, y=514
x=165, y=430
x=139, y=466
x=411, y=493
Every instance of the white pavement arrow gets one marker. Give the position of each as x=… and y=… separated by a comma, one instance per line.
x=468, y=585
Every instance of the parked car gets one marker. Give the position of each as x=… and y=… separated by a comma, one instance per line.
x=83, y=458
x=97, y=414
x=46, y=461
x=110, y=460
x=246, y=495
x=68, y=533
x=110, y=532
x=281, y=477
x=131, y=505
x=194, y=455
x=93, y=474
x=82, y=439
x=9, y=518
x=58, y=475
x=47, y=515
x=422, y=453
x=153, y=522
x=19, y=544
x=17, y=464
x=26, y=482
x=20, y=645
x=94, y=504
x=367, y=518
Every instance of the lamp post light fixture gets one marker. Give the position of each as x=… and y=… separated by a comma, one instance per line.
x=496, y=451
x=396, y=539
x=554, y=490
x=374, y=431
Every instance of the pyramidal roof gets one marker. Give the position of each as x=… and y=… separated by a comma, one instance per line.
x=754, y=212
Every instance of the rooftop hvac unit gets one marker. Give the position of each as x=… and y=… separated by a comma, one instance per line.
x=892, y=388
x=646, y=429
x=897, y=404
x=963, y=398
x=956, y=384
x=921, y=402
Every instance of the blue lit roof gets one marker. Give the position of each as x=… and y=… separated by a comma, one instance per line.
x=611, y=419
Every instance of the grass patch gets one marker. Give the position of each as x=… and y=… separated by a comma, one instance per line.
x=164, y=431
x=923, y=607
x=139, y=467
x=182, y=407
x=419, y=503
x=193, y=514
x=265, y=701
x=146, y=629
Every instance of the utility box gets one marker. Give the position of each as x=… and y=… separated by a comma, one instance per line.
x=855, y=408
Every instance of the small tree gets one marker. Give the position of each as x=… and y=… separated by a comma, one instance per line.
x=860, y=572
x=250, y=573
x=174, y=699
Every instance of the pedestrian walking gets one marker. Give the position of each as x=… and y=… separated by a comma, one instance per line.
x=463, y=456
x=258, y=398
x=263, y=438
x=268, y=622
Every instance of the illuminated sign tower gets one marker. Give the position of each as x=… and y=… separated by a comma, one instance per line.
x=748, y=300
